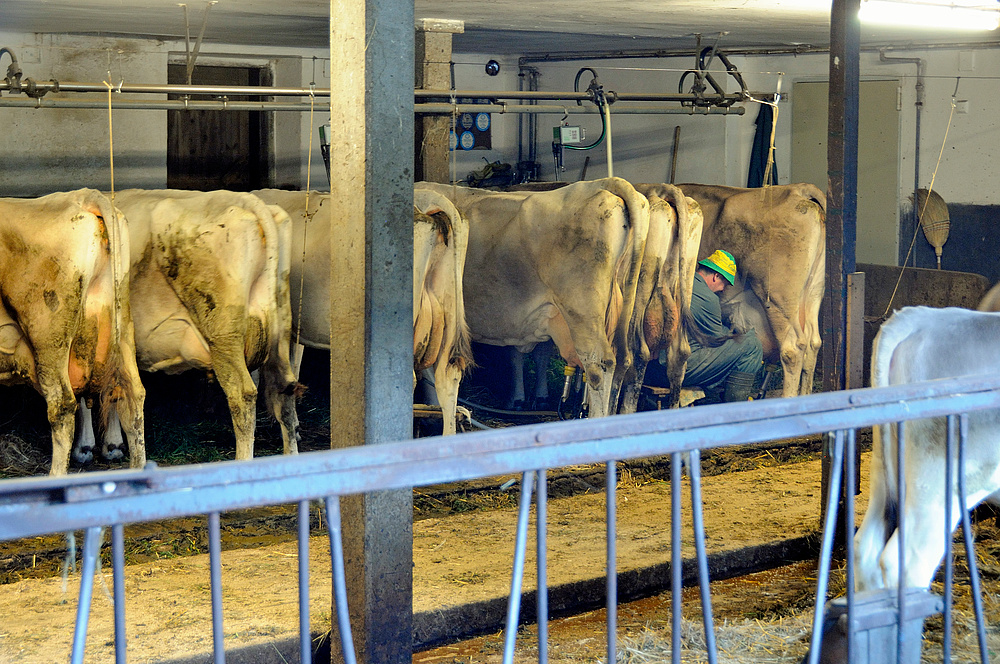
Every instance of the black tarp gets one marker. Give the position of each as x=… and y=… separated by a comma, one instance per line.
x=758, y=155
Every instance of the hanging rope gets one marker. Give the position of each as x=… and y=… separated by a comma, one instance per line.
x=306, y=213
x=767, y=194
x=923, y=209
x=114, y=238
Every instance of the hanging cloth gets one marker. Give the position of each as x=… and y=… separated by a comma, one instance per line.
x=761, y=143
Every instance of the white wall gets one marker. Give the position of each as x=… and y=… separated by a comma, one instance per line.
x=48, y=150
x=716, y=149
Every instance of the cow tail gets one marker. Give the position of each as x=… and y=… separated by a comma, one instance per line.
x=637, y=208
x=114, y=381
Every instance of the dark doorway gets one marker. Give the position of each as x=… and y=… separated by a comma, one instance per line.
x=218, y=149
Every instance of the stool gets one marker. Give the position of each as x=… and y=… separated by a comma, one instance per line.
x=688, y=395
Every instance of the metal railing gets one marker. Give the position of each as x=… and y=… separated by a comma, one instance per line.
x=36, y=506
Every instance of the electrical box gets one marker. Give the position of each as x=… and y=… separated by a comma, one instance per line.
x=472, y=131
x=565, y=135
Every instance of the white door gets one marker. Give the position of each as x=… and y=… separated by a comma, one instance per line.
x=878, y=160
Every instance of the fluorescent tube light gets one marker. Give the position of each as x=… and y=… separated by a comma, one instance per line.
x=943, y=15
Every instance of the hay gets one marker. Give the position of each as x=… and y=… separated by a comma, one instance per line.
x=934, y=219
x=18, y=458
x=739, y=642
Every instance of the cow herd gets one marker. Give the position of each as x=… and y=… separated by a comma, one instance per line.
x=94, y=288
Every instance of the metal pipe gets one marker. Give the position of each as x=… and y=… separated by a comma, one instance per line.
x=676, y=578
x=91, y=552
x=173, y=89
x=305, y=635
x=704, y=583
x=427, y=108
x=541, y=530
x=632, y=109
x=611, y=565
x=335, y=534
x=748, y=51
x=517, y=573
x=540, y=95
x=826, y=548
x=918, y=105
x=215, y=583
x=118, y=566
x=153, y=105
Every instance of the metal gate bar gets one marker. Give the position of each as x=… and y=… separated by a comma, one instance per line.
x=333, y=527
x=676, y=587
x=850, y=481
x=970, y=549
x=305, y=634
x=43, y=505
x=215, y=572
x=611, y=564
x=517, y=574
x=698, y=521
x=541, y=530
x=949, y=564
x=91, y=552
x=826, y=549
x=118, y=565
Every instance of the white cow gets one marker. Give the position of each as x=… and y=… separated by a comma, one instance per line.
x=65, y=320
x=440, y=239
x=917, y=344
x=209, y=286
x=560, y=265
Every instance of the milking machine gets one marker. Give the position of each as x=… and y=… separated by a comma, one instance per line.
x=573, y=402
x=567, y=137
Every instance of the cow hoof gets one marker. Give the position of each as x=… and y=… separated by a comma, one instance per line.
x=84, y=455
x=114, y=454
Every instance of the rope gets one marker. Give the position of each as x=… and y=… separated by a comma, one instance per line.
x=306, y=215
x=769, y=167
x=114, y=237
x=927, y=199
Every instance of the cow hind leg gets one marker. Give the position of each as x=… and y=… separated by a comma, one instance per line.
x=447, y=377
x=61, y=412
x=241, y=395
x=85, y=441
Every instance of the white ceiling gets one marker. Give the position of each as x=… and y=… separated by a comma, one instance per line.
x=492, y=26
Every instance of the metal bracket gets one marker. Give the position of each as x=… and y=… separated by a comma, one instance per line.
x=703, y=60
x=192, y=56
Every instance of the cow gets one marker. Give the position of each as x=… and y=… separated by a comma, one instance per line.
x=663, y=299
x=65, y=318
x=560, y=265
x=777, y=235
x=917, y=344
x=209, y=287
x=990, y=301
x=440, y=238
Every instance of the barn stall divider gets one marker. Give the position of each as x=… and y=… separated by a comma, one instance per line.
x=91, y=501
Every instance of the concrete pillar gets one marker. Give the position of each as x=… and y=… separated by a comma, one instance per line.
x=432, y=59
x=371, y=306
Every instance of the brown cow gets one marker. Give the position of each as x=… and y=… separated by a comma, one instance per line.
x=65, y=322
x=777, y=235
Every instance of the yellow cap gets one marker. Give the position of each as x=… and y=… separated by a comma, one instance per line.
x=723, y=263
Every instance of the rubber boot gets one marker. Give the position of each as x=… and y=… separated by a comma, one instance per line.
x=740, y=386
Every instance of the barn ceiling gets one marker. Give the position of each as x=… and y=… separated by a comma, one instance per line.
x=491, y=26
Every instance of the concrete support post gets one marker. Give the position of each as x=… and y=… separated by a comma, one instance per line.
x=371, y=305
x=432, y=60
